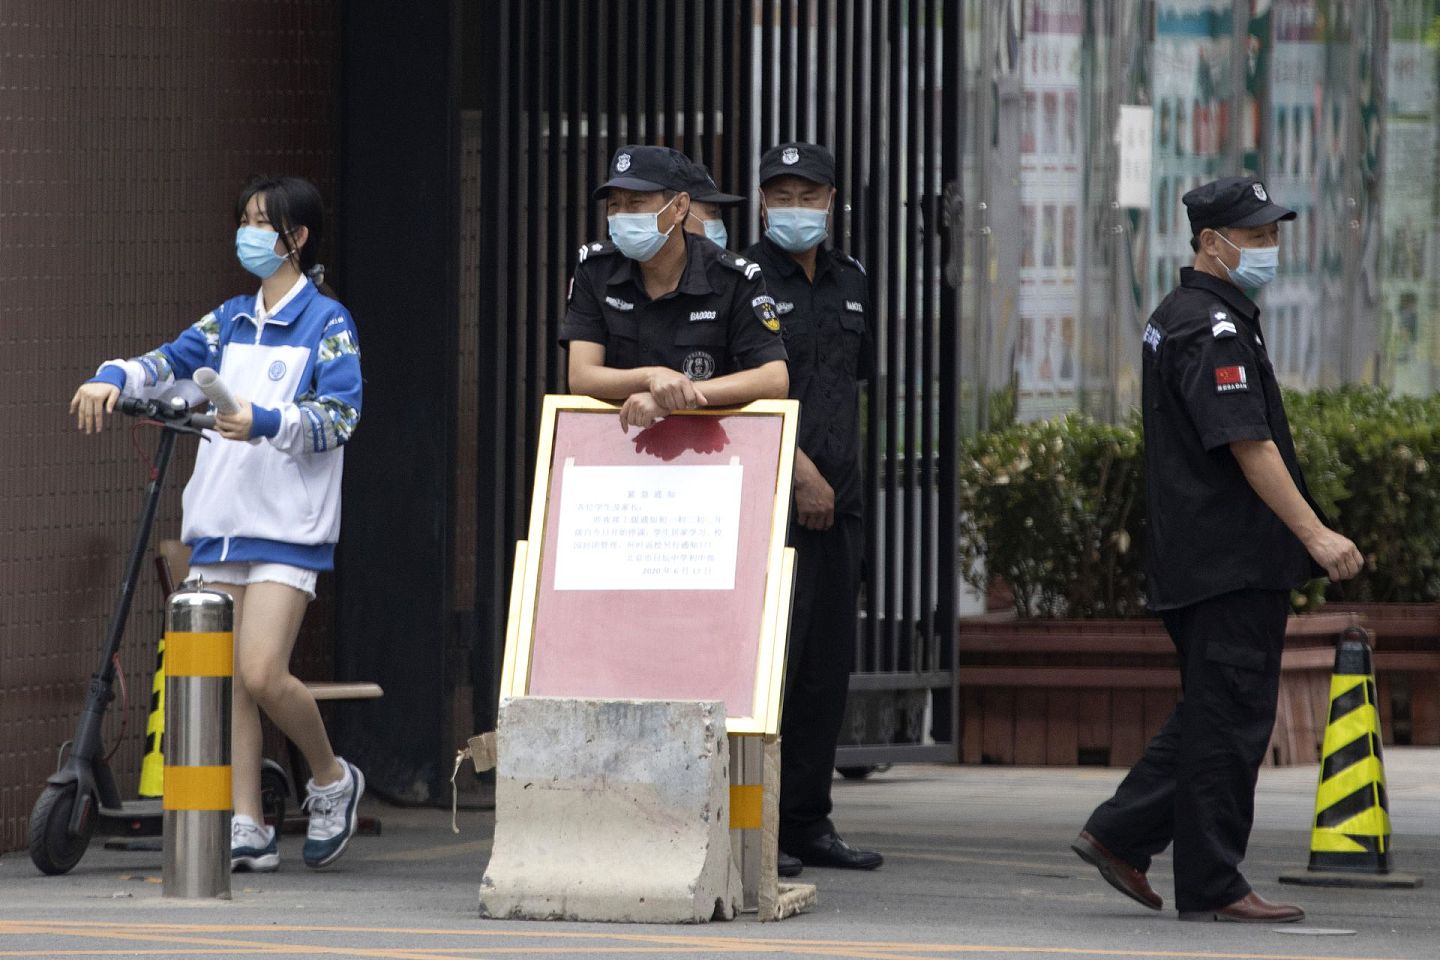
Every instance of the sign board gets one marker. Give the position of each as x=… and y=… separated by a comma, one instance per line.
x=656, y=566
x=1134, y=135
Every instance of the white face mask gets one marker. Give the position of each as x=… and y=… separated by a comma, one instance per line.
x=638, y=235
x=1258, y=265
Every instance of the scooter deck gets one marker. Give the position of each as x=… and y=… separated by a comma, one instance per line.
x=139, y=818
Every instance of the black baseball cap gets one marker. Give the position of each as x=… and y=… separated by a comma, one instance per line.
x=646, y=168
x=1232, y=202
x=703, y=188
x=807, y=160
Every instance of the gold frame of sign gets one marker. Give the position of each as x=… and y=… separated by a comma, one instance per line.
x=754, y=736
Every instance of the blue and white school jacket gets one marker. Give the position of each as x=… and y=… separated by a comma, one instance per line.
x=275, y=499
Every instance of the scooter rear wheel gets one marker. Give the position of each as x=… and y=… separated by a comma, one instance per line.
x=53, y=848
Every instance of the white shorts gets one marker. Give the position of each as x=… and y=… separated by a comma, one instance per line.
x=244, y=574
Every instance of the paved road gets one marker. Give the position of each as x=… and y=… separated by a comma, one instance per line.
x=977, y=867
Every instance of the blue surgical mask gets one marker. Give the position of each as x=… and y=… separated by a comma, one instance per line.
x=716, y=232
x=638, y=235
x=796, y=229
x=1258, y=265
x=256, y=250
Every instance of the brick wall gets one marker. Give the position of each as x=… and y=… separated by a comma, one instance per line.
x=129, y=127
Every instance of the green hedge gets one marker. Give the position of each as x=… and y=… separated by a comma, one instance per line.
x=1056, y=508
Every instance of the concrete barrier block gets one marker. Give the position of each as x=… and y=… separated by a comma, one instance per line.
x=611, y=810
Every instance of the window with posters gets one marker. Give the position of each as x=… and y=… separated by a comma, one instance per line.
x=1051, y=195
x=1412, y=171
x=1334, y=103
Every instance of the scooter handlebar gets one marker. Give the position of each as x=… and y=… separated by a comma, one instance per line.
x=174, y=412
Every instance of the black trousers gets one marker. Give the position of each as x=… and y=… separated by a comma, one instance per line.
x=1195, y=785
x=817, y=672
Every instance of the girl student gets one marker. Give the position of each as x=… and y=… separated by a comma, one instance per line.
x=262, y=509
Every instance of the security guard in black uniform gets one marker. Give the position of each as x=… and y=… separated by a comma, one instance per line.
x=824, y=305
x=707, y=203
x=1232, y=530
x=659, y=318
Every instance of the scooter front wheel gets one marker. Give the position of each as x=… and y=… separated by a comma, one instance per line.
x=53, y=848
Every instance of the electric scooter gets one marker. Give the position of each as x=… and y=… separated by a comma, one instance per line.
x=80, y=798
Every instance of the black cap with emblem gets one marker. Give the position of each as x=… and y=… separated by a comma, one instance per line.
x=702, y=187
x=807, y=160
x=1232, y=202
x=646, y=169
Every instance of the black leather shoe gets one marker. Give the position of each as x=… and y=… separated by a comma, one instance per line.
x=829, y=850
x=788, y=866
x=1251, y=908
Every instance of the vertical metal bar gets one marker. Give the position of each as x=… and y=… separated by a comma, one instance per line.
x=785, y=27
x=917, y=141
x=733, y=68
x=667, y=76
x=632, y=27
x=886, y=162
x=740, y=131
x=953, y=117
x=493, y=493
x=580, y=65
x=908, y=194
x=517, y=478
x=552, y=267
x=533, y=92
x=600, y=87
x=859, y=136
x=825, y=92
x=709, y=64
x=693, y=82
x=768, y=135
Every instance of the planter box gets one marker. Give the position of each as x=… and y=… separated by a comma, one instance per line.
x=1071, y=692
x=1407, y=668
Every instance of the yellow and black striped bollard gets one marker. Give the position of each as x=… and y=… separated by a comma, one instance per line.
x=199, y=650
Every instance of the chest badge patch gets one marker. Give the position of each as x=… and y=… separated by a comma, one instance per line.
x=1231, y=379
x=783, y=307
x=698, y=365
x=1221, y=325
x=277, y=370
x=698, y=315
x=854, y=306
x=765, y=309
x=619, y=304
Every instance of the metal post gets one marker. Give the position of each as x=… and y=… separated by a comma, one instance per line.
x=199, y=647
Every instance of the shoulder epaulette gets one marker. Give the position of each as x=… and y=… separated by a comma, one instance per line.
x=740, y=264
x=1222, y=325
x=594, y=249
x=851, y=260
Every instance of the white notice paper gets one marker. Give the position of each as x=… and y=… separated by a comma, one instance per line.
x=1134, y=136
x=649, y=528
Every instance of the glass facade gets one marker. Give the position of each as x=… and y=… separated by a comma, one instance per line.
x=1332, y=102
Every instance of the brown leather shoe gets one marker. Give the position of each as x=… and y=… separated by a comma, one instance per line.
x=1119, y=874
x=1251, y=908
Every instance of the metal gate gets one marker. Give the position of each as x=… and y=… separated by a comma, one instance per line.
x=553, y=88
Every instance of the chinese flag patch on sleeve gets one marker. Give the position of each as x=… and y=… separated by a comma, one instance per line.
x=1231, y=379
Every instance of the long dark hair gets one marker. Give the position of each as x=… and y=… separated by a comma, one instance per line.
x=291, y=203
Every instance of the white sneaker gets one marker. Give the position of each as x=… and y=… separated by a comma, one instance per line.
x=334, y=815
x=252, y=846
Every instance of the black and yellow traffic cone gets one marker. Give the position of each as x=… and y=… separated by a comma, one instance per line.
x=1350, y=838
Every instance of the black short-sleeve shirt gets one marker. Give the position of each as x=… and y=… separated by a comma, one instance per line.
x=717, y=321
x=1208, y=382
x=828, y=335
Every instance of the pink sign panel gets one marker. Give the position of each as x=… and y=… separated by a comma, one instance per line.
x=654, y=558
